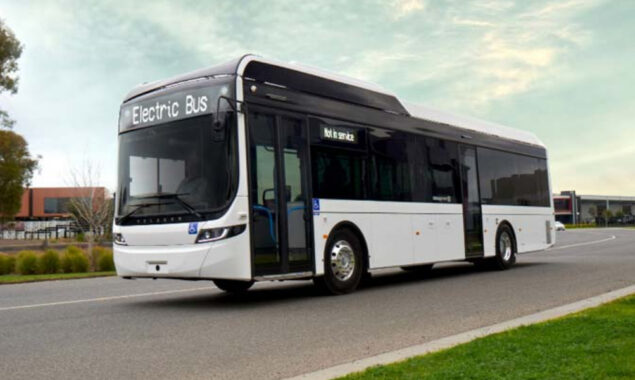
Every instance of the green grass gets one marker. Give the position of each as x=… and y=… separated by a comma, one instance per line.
x=579, y=226
x=18, y=278
x=597, y=343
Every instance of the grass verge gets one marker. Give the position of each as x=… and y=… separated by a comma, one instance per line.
x=598, y=343
x=18, y=278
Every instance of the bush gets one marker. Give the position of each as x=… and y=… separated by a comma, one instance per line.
x=105, y=262
x=103, y=259
x=81, y=237
x=7, y=264
x=74, y=250
x=49, y=262
x=27, y=263
x=10, y=264
x=74, y=261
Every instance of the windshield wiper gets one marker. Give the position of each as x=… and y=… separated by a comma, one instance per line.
x=138, y=207
x=177, y=197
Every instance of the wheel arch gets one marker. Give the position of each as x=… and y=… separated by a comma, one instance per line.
x=507, y=223
x=345, y=224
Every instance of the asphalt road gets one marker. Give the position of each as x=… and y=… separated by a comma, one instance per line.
x=113, y=328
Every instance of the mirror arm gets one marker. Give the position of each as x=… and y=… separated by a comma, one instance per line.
x=235, y=105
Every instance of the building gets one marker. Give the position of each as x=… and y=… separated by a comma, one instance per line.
x=573, y=208
x=46, y=203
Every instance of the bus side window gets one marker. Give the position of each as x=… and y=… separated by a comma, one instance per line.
x=443, y=168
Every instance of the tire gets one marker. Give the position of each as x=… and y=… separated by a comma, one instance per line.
x=418, y=268
x=505, y=248
x=233, y=286
x=343, y=263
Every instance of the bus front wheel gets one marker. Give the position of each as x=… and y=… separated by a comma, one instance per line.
x=343, y=263
x=233, y=286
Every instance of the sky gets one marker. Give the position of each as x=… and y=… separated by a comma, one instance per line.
x=560, y=69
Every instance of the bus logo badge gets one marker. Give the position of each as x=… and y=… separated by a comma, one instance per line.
x=192, y=229
x=316, y=206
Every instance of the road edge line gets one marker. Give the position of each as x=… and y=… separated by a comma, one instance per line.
x=465, y=337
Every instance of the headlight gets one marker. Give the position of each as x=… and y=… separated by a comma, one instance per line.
x=119, y=239
x=215, y=234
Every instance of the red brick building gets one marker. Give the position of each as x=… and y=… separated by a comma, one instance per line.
x=42, y=203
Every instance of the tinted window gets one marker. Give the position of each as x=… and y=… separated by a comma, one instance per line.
x=338, y=174
x=512, y=179
x=397, y=163
x=338, y=159
x=443, y=164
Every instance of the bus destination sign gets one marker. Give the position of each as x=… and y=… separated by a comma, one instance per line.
x=339, y=134
x=171, y=107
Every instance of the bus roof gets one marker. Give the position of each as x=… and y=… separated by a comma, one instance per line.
x=321, y=82
x=422, y=112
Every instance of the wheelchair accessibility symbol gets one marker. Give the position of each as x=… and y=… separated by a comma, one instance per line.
x=192, y=229
x=316, y=206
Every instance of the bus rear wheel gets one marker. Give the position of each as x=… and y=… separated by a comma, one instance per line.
x=505, y=248
x=233, y=286
x=343, y=263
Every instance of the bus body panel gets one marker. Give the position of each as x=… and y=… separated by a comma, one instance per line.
x=396, y=233
x=533, y=227
x=439, y=236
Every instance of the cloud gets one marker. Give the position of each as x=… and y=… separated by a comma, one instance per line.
x=468, y=56
x=406, y=7
x=472, y=22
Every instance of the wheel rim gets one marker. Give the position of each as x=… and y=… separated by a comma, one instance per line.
x=505, y=246
x=342, y=260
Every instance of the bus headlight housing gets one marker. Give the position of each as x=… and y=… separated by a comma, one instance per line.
x=118, y=238
x=214, y=234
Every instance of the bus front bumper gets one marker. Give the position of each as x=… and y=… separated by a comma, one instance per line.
x=220, y=260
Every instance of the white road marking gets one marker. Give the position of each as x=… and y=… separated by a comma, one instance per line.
x=101, y=299
x=581, y=244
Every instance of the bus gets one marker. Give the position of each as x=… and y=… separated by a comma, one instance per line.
x=259, y=170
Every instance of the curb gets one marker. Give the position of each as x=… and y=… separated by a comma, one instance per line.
x=451, y=341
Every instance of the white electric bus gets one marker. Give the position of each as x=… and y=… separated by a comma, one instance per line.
x=258, y=170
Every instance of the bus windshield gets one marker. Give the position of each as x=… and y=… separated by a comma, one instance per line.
x=182, y=168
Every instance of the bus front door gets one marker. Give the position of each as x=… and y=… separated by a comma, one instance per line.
x=278, y=185
x=472, y=217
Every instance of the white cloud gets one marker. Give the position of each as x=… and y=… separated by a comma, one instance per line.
x=406, y=7
x=481, y=52
x=471, y=22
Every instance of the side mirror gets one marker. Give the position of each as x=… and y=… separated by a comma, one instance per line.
x=218, y=131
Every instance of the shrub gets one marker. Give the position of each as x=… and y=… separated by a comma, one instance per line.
x=10, y=264
x=81, y=237
x=65, y=263
x=74, y=260
x=74, y=250
x=7, y=264
x=105, y=262
x=98, y=251
x=49, y=262
x=27, y=262
x=79, y=263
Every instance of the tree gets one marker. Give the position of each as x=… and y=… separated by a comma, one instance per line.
x=91, y=209
x=16, y=164
x=16, y=171
x=10, y=51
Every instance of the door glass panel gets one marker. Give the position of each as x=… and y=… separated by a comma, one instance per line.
x=294, y=145
x=471, y=202
x=264, y=191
